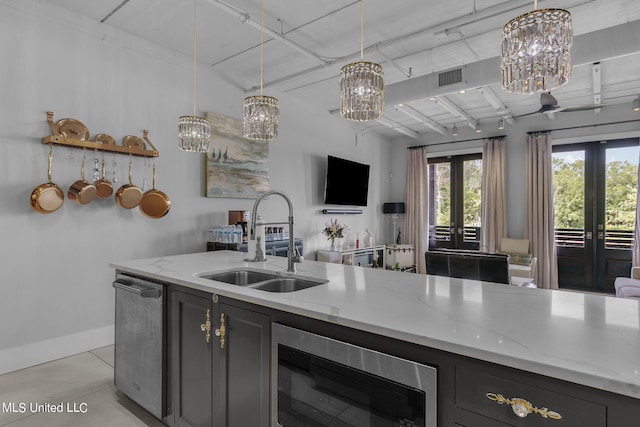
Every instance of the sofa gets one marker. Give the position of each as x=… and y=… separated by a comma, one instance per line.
x=628, y=287
x=488, y=267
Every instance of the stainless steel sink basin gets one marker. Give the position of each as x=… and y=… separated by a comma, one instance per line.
x=263, y=281
x=286, y=284
x=240, y=277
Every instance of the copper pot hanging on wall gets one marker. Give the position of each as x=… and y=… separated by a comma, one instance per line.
x=154, y=204
x=128, y=196
x=82, y=191
x=48, y=197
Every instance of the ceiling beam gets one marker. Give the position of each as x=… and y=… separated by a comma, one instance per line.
x=596, y=77
x=445, y=103
x=419, y=117
x=494, y=101
x=398, y=127
x=245, y=18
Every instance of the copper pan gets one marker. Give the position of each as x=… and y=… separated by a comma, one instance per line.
x=128, y=196
x=104, y=188
x=82, y=191
x=48, y=197
x=155, y=204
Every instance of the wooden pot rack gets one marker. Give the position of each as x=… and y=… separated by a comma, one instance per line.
x=95, y=145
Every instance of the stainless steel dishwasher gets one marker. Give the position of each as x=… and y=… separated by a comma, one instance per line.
x=140, y=341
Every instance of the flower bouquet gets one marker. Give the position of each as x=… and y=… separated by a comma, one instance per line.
x=334, y=231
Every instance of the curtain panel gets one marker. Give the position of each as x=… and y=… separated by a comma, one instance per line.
x=416, y=223
x=494, y=194
x=540, y=210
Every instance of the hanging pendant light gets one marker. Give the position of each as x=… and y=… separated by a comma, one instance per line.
x=193, y=131
x=536, y=53
x=361, y=86
x=261, y=112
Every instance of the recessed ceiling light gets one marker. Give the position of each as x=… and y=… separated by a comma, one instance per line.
x=462, y=91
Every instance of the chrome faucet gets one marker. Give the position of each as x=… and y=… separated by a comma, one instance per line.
x=291, y=257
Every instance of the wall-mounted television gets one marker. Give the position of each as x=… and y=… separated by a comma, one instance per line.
x=347, y=182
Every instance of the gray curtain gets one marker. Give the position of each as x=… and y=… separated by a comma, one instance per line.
x=494, y=194
x=416, y=221
x=540, y=211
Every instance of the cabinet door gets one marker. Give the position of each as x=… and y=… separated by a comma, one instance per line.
x=243, y=369
x=191, y=359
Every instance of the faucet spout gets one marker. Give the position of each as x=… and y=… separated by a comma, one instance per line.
x=254, y=215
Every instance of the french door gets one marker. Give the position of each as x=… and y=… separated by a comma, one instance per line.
x=455, y=195
x=595, y=187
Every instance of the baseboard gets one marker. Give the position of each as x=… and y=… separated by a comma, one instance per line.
x=32, y=354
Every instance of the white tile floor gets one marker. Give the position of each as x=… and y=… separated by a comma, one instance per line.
x=81, y=385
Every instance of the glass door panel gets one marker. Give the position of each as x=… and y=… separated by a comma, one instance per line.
x=595, y=187
x=472, y=194
x=440, y=219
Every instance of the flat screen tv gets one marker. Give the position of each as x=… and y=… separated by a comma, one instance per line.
x=347, y=182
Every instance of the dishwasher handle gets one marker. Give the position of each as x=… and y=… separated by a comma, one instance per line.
x=142, y=291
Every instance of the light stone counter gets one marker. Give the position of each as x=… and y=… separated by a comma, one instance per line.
x=586, y=339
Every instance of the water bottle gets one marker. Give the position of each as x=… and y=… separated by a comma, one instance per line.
x=228, y=237
x=237, y=235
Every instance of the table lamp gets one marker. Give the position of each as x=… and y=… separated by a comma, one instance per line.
x=394, y=209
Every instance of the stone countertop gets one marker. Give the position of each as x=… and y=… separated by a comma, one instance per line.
x=587, y=339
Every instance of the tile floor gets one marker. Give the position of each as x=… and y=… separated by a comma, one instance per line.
x=82, y=385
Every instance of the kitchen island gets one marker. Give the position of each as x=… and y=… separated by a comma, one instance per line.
x=590, y=341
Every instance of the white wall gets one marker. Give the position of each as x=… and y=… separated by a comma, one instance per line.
x=592, y=128
x=57, y=297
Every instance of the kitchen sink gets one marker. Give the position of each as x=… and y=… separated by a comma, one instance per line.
x=286, y=284
x=240, y=277
x=263, y=281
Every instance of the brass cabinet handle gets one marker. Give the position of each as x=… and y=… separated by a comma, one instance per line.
x=221, y=331
x=522, y=407
x=206, y=326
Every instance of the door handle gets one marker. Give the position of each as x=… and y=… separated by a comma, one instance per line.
x=589, y=235
x=221, y=331
x=206, y=326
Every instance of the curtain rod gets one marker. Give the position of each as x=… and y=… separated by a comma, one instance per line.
x=415, y=147
x=583, y=126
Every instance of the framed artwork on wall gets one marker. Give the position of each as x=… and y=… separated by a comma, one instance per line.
x=235, y=167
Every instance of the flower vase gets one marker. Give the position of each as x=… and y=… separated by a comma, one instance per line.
x=333, y=245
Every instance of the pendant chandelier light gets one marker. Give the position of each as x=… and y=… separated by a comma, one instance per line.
x=536, y=53
x=193, y=131
x=261, y=112
x=361, y=86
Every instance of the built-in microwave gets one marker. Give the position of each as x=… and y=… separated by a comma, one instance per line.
x=319, y=381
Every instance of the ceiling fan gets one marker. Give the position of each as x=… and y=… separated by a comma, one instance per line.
x=549, y=105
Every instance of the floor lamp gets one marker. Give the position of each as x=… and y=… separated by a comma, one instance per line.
x=395, y=209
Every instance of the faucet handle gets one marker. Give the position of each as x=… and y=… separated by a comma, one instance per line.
x=297, y=257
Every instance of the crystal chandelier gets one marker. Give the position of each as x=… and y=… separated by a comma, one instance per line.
x=536, y=53
x=361, y=86
x=261, y=112
x=194, y=131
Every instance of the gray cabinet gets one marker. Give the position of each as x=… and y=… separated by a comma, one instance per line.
x=242, y=368
x=219, y=362
x=190, y=359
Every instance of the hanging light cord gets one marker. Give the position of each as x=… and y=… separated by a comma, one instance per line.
x=361, y=30
x=261, y=42
x=194, y=57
